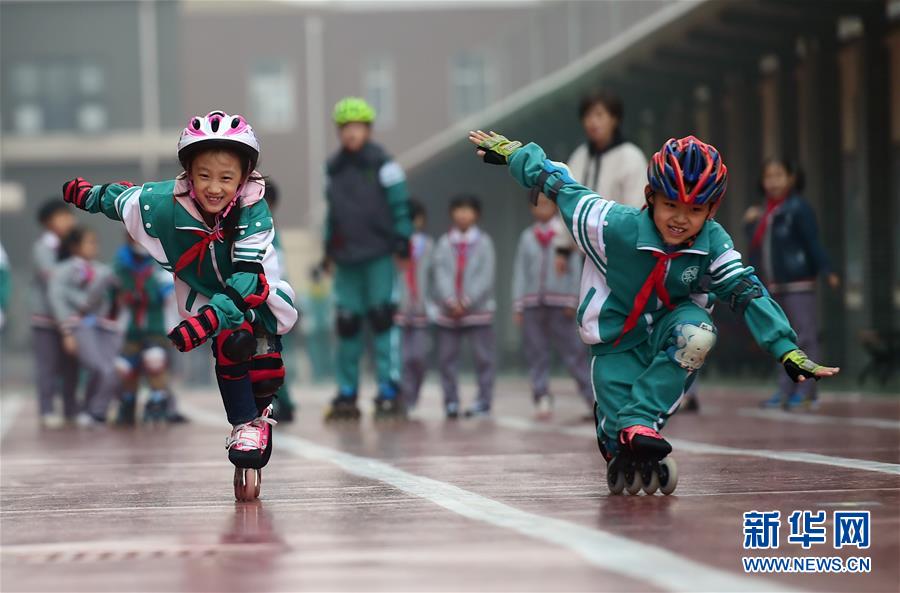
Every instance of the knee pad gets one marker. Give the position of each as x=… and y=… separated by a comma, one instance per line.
x=690, y=343
x=348, y=324
x=382, y=317
x=232, y=372
x=235, y=346
x=154, y=359
x=266, y=373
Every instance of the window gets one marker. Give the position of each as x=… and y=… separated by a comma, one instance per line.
x=57, y=95
x=272, y=95
x=378, y=89
x=470, y=84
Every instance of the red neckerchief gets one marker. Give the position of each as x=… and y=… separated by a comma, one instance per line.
x=140, y=302
x=656, y=280
x=544, y=236
x=198, y=250
x=461, y=253
x=760, y=232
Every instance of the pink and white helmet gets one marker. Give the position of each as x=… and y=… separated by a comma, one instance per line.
x=218, y=128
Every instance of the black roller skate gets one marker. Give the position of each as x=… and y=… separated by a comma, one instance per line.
x=343, y=409
x=249, y=449
x=127, y=413
x=156, y=410
x=641, y=462
x=389, y=404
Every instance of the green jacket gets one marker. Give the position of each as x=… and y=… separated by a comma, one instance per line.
x=167, y=225
x=619, y=242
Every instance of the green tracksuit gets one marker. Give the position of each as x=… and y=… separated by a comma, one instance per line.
x=367, y=223
x=641, y=379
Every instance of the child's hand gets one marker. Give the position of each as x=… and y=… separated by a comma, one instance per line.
x=517, y=318
x=69, y=344
x=569, y=312
x=493, y=148
x=834, y=281
x=799, y=367
x=457, y=310
x=561, y=264
x=76, y=191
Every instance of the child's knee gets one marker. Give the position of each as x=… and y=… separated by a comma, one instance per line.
x=690, y=342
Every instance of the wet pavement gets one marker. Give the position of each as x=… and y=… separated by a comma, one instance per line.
x=505, y=504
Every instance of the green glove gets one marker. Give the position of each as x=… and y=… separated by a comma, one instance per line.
x=797, y=364
x=497, y=149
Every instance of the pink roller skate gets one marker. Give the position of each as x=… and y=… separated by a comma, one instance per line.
x=641, y=463
x=249, y=448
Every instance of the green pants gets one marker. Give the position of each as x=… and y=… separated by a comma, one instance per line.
x=644, y=385
x=364, y=293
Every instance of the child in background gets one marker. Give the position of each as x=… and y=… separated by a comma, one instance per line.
x=283, y=408
x=413, y=315
x=79, y=294
x=211, y=227
x=463, y=289
x=648, y=276
x=55, y=371
x=785, y=247
x=144, y=288
x=367, y=227
x=544, y=305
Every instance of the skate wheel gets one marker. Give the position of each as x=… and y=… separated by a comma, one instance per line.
x=650, y=478
x=633, y=482
x=615, y=480
x=258, y=483
x=668, y=476
x=246, y=484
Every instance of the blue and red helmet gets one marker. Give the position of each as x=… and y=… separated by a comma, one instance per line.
x=688, y=170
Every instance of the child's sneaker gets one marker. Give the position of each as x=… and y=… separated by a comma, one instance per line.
x=776, y=401
x=52, y=421
x=452, y=411
x=89, y=421
x=478, y=411
x=250, y=443
x=543, y=407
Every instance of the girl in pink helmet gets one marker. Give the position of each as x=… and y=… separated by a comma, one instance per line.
x=212, y=229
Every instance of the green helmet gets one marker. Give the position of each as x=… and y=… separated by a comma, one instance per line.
x=353, y=109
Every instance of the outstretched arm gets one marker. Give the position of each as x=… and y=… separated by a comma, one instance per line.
x=581, y=209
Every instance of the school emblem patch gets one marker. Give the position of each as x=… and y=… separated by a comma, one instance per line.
x=690, y=274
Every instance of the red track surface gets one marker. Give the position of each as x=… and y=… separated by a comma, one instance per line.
x=498, y=505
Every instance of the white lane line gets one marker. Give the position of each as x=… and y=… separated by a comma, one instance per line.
x=9, y=409
x=605, y=550
x=807, y=418
x=711, y=449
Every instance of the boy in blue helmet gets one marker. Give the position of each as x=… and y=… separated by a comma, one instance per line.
x=648, y=282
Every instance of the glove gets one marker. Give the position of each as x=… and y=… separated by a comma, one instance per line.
x=497, y=149
x=252, y=300
x=797, y=365
x=76, y=191
x=192, y=332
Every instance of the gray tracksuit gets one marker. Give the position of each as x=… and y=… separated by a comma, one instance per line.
x=54, y=370
x=79, y=301
x=414, y=315
x=463, y=272
x=546, y=298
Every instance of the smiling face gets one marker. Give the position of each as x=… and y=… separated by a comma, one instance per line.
x=216, y=175
x=676, y=221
